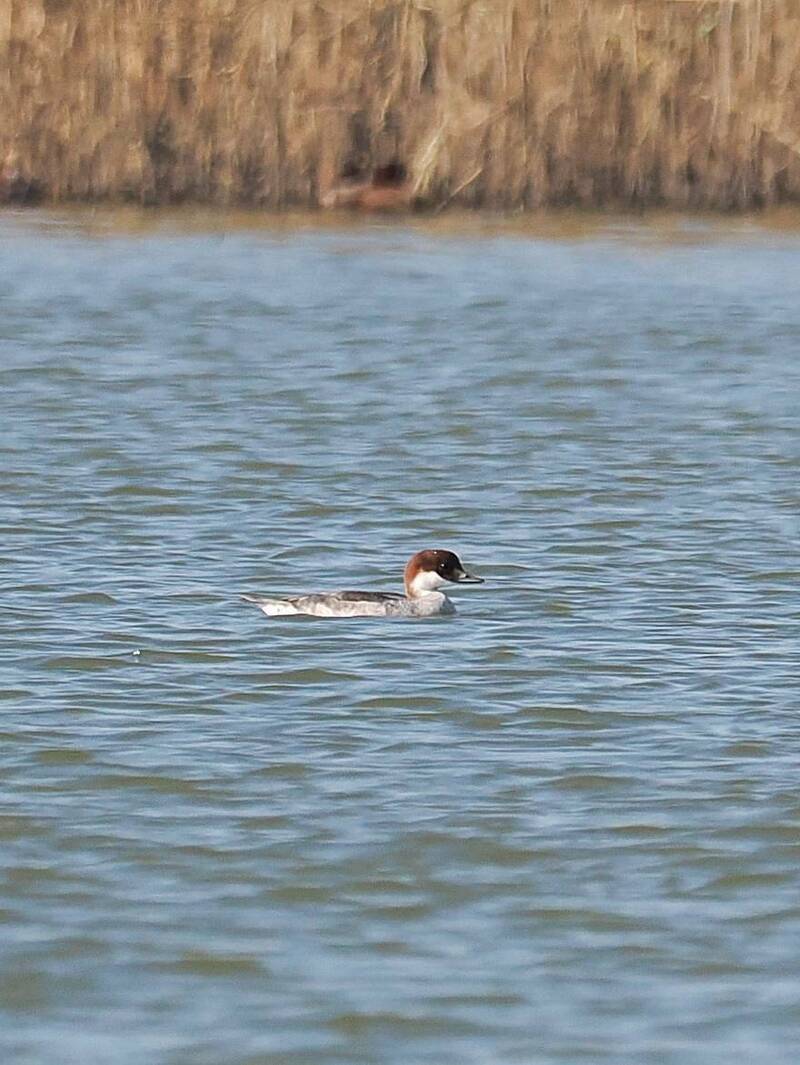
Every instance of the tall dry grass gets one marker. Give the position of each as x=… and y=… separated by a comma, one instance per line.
x=503, y=103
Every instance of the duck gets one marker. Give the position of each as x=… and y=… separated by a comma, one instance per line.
x=387, y=190
x=424, y=574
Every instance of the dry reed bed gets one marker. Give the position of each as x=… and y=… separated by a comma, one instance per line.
x=501, y=103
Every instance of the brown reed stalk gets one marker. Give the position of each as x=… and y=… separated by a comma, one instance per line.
x=496, y=103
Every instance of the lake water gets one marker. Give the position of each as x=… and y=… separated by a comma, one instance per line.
x=562, y=826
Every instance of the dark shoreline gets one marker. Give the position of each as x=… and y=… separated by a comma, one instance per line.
x=509, y=105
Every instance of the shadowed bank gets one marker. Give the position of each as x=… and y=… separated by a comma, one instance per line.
x=502, y=104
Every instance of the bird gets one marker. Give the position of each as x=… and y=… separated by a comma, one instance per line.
x=388, y=189
x=425, y=572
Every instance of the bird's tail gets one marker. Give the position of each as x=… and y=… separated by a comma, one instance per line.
x=270, y=606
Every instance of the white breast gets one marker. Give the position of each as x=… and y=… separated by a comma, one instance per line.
x=425, y=606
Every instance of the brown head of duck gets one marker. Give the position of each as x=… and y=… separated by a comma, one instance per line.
x=430, y=569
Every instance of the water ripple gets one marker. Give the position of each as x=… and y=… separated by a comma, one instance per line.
x=560, y=826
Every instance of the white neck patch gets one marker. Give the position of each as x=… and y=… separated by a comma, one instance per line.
x=427, y=580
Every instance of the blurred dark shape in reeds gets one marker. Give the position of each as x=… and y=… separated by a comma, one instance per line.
x=496, y=103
